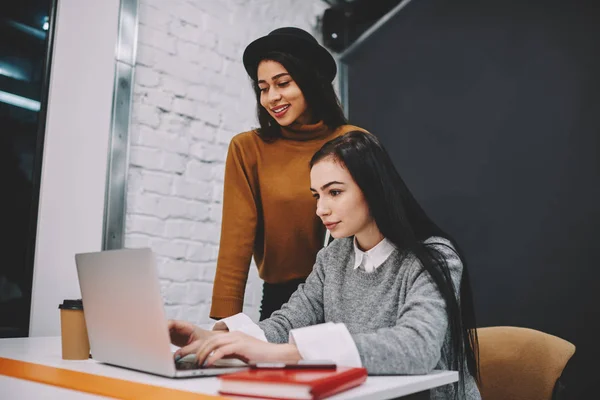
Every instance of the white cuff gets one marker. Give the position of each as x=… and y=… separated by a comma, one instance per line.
x=241, y=323
x=327, y=341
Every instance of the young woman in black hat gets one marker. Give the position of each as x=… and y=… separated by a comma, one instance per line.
x=268, y=213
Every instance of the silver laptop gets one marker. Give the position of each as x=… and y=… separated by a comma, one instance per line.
x=125, y=317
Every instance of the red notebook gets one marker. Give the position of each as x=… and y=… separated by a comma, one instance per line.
x=312, y=384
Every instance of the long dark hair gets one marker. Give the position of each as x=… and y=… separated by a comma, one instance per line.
x=402, y=221
x=317, y=91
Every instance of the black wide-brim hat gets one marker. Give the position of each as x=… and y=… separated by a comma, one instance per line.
x=294, y=41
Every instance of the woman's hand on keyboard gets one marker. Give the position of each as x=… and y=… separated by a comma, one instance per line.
x=183, y=333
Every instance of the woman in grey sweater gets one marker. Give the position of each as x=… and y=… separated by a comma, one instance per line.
x=391, y=293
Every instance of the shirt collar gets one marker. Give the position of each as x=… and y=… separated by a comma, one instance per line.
x=305, y=132
x=374, y=257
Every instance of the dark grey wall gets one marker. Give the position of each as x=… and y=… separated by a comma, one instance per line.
x=491, y=111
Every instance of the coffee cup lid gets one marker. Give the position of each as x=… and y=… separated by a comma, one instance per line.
x=71, y=305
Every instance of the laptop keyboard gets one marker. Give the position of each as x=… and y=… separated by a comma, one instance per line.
x=189, y=362
x=186, y=365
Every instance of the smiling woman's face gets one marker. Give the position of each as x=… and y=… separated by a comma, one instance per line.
x=280, y=95
x=341, y=204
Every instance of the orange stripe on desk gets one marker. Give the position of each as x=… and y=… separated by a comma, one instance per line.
x=95, y=384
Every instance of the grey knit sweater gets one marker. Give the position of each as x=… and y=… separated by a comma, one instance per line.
x=395, y=314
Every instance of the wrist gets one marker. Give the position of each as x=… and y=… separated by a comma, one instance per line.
x=203, y=334
x=214, y=333
x=220, y=326
x=290, y=353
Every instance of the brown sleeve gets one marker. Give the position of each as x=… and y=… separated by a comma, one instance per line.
x=238, y=231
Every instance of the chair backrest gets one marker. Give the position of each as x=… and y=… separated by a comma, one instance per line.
x=520, y=363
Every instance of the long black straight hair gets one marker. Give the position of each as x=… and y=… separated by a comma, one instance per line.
x=401, y=220
x=318, y=93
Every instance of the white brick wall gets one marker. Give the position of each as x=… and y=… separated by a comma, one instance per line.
x=191, y=95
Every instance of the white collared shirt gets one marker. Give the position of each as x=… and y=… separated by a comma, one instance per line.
x=370, y=260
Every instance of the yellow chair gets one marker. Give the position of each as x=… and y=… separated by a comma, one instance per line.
x=520, y=363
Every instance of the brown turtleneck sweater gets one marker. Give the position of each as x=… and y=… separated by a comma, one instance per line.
x=268, y=212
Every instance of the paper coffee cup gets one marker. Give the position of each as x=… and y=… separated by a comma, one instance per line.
x=74, y=337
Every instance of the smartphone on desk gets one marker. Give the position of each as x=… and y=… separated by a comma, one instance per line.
x=302, y=364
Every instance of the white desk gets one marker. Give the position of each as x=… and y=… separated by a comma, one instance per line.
x=13, y=388
x=47, y=351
